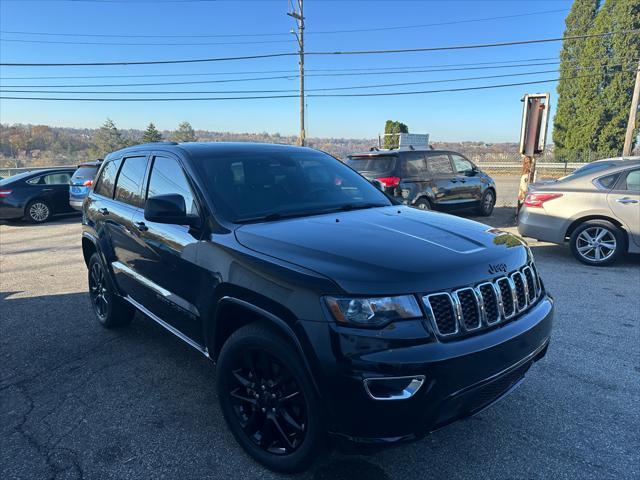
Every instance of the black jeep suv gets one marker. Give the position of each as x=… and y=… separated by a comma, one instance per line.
x=332, y=312
x=429, y=179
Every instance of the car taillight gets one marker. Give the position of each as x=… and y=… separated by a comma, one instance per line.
x=88, y=183
x=389, y=181
x=5, y=193
x=537, y=200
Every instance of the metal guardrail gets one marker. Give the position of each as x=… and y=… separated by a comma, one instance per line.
x=547, y=165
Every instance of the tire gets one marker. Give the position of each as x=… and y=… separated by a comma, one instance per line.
x=487, y=202
x=422, y=204
x=110, y=310
x=258, y=375
x=37, y=211
x=598, y=242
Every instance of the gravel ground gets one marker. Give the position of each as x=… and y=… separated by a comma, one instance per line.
x=79, y=401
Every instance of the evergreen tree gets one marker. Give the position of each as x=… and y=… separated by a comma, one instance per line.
x=570, y=132
x=184, y=133
x=394, y=128
x=108, y=138
x=617, y=86
x=151, y=134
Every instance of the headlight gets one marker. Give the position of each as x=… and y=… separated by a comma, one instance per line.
x=373, y=312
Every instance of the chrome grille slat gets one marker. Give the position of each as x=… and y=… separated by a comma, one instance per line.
x=443, y=313
x=486, y=304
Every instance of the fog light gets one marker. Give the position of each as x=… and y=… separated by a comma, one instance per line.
x=393, y=388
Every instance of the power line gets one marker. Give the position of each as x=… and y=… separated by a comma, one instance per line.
x=356, y=87
x=353, y=52
x=281, y=71
x=319, y=32
x=420, y=92
x=155, y=44
x=289, y=77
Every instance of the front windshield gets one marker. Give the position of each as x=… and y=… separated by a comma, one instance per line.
x=269, y=185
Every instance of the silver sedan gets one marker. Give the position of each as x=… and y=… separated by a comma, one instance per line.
x=596, y=209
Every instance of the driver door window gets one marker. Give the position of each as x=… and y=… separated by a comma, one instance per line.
x=166, y=178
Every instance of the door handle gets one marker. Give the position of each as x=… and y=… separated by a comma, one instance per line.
x=141, y=226
x=103, y=211
x=47, y=189
x=453, y=180
x=626, y=200
x=463, y=180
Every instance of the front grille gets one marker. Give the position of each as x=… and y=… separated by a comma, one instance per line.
x=521, y=290
x=506, y=295
x=468, y=309
x=490, y=303
x=443, y=312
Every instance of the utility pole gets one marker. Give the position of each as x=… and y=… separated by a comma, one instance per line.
x=631, y=124
x=298, y=15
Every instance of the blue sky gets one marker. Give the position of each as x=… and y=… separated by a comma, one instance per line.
x=489, y=115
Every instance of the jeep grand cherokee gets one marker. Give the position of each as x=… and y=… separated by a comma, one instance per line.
x=332, y=312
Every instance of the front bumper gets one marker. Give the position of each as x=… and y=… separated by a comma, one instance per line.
x=461, y=377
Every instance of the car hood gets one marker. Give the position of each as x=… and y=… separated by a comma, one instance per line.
x=389, y=250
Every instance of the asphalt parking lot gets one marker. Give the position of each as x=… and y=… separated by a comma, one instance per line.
x=79, y=401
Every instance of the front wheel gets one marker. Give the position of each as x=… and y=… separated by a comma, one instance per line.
x=597, y=243
x=268, y=400
x=422, y=204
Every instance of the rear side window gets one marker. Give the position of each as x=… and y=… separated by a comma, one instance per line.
x=439, y=164
x=58, y=178
x=608, y=181
x=107, y=179
x=632, y=182
x=167, y=177
x=129, y=183
x=413, y=165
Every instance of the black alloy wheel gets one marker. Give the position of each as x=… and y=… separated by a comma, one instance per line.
x=487, y=202
x=268, y=403
x=110, y=309
x=268, y=399
x=98, y=291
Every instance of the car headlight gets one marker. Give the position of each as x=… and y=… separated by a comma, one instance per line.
x=373, y=312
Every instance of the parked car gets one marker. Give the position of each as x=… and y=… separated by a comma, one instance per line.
x=275, y=262
x=36, y=195
x=81, y=183
x=428, y=179
x=596, y=209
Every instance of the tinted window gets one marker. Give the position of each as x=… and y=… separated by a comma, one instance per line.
x=60, y=178
x=285, y=182
x=608, y=181
x=168, y=177
x=83, y=174
x=632, y=181
x=129, y=183
x=373, y=165
x=13, y=178
x=107, y=179
x=413, y=165
x=462, y=164
x=439, y=164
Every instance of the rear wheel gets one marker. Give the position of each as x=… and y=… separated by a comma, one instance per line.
x=487, y=202
x=38, y=211
x=597, y=242
x=422, y=204
x=268, y=400
x=110, y=310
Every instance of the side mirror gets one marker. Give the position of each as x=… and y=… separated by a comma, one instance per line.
x=378, y=184
x=169, y=209
x=474, y=171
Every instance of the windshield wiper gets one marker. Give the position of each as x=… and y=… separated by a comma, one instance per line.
x=269, y=217
x=358, y=206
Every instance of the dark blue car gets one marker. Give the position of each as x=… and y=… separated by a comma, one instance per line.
x=81, y=183
x=35, y=195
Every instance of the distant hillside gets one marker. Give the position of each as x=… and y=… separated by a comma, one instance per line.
x=41, y=145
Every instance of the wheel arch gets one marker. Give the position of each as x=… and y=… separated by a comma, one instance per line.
x=579, y=221
x=233, y=310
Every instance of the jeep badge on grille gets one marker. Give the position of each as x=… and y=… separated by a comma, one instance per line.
x=497, y=268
